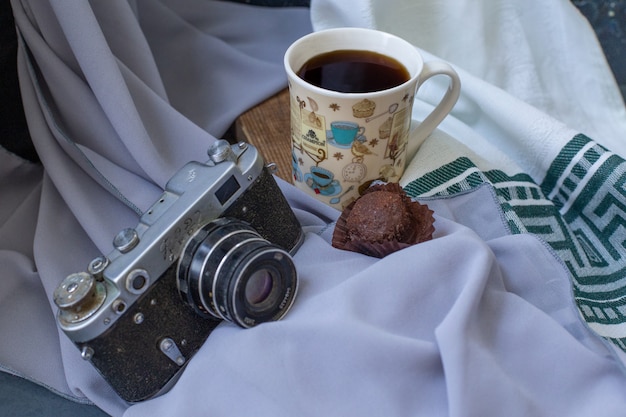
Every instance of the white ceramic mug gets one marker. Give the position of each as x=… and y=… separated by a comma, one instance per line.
x=341, y=142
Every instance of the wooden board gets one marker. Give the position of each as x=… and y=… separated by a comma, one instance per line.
x=267, y=127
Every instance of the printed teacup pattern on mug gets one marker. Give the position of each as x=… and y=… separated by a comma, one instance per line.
x=327, y=139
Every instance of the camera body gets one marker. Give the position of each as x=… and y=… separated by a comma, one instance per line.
x=215, y=246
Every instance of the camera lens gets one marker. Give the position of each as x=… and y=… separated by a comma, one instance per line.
x=228, y=271
x=259, y=286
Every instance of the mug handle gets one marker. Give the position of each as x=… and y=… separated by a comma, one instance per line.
x=446, y=104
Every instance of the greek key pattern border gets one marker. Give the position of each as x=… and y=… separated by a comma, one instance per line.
x=579, y=210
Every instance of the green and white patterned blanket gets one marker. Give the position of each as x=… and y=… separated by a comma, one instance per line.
x=579, y=209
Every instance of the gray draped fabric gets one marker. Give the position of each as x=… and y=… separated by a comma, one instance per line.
x=118, y=95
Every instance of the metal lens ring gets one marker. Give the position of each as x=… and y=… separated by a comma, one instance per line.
x=229, y=271
x=259, y=285
x=190, y=263
x=199, y=261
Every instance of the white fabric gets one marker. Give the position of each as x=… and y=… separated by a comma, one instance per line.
x=541, y=52
x=475, y=322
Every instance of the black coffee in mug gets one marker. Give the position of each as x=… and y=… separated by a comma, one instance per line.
x=354, y=71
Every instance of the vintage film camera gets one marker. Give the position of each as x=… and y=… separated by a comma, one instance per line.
x=216, y=246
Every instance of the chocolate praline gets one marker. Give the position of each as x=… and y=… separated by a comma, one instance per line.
x=377, y=217
x=381, y=221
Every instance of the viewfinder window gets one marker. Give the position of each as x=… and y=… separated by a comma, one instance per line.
x=226, y=190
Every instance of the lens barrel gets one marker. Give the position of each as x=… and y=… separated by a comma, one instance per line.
x=228, y=271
